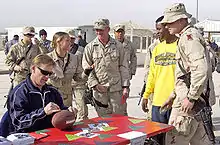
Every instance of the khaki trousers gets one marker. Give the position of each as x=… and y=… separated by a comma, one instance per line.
x=187, y=130
x=113, y=99
x=82, y=108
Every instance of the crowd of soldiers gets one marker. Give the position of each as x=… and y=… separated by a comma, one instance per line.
x=113, y=62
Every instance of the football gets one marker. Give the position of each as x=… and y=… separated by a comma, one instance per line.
x=63, y=120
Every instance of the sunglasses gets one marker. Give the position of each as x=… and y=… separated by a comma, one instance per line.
x=44, y=72
x=29, y=35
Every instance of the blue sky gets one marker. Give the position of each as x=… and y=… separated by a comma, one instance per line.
x=79, y=12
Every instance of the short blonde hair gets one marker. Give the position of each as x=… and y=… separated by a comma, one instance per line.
x=58, y=37
x=43, y=59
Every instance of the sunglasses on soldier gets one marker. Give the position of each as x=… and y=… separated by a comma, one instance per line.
x=44, y=72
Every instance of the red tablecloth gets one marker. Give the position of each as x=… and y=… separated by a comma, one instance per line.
x=122, y=124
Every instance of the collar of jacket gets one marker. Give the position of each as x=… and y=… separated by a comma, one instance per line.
x=22, y=43
x=111, y=41
x=32, y=87
x=184, y=29
x=56, y=57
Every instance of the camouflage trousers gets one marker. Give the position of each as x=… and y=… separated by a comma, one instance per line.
x=82, y=108
x=112, y=99
x=187, y=130
x=67, y=99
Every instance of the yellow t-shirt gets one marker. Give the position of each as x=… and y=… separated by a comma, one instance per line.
x=161, y=76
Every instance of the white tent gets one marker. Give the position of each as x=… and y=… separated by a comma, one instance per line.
x=210, y=26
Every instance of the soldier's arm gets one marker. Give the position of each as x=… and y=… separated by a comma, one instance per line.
x=133, y=59
x=87, y=61
x=198, y=65
x=42, y=48
x=11, y=58
x=80, y=75
x=150, y=78
x=123, y=66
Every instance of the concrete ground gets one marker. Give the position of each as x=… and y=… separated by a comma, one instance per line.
x=133, y=109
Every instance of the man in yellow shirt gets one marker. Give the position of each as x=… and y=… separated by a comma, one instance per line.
x=161, y=76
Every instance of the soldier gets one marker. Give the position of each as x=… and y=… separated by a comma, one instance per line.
x=43, y=40
x=130, y=53
x=21, y=54
x=79, y=87
x=67, y=67
x=110, y=77
x=191, y=58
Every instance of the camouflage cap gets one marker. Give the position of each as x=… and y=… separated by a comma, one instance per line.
x=101, y=24
x=175, y=12
x=118, y=27
x=29, y=30
x=71, y=33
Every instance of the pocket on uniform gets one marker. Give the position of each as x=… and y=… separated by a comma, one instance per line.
x=114, y=55
x=183, y=125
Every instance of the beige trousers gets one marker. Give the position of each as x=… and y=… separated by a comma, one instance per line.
x=82, y=108
x=113, y=99
x=187, y=130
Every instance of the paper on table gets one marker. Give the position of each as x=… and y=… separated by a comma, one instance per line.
x=108, y=128
x=4, y=141
x=135, y=137
x=135, y=121
x=42, y=131
x=104, y=136
x=72, y=137
x=135, y=127
x=87, y=134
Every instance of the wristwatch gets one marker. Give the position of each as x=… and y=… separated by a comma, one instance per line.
x=191, y=100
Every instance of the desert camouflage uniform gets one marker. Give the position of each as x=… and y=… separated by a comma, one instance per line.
x=62, y=79
x=111, y=70
x=79, y=88
x=15, y=53
x=191, y=57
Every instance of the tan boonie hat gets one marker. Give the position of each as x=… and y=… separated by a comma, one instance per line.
x=71, y=33
x=118, y=27
x=101, y=24
x=29, y=30
x=175, y=12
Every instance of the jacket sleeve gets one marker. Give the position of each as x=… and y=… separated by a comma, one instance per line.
x=43, y=49
x=123, y=66
x=20, y=115
x=198, y=65
x=151, y=77
x=88, y=61
x=133, y=59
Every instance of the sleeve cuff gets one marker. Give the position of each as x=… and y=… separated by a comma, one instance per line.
x=92, y=83
x=126, y=83
x=194, y=97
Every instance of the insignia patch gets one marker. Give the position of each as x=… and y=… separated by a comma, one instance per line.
x=189, y=37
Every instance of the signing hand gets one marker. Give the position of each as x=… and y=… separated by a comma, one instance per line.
x=51, y=108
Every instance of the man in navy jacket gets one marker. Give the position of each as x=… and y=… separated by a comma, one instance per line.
x=32, y=103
